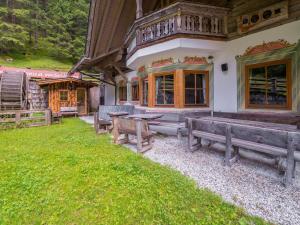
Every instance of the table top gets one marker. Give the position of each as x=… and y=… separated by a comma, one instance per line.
x=275, y=126
x=148, y=116
x=117, y=113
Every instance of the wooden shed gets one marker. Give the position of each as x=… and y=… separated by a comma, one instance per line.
x=67, y=93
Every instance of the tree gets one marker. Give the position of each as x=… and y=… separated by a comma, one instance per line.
x=57, y=27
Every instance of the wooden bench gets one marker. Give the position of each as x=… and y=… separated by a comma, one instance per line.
x=137, y=127
x=69, y=111
x=282, y=145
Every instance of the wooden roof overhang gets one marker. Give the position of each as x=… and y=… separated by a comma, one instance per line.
x=46, y=82
x=109, y=22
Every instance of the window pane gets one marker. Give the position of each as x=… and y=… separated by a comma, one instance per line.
x=257, y=86
x=190, y=97
x=169, y=82
x=190, y=81
x=159, y=96
x=277, y=85
x=200, y=81
x=159, y=82
x=169, y=98
x=135, y=91
x=164, y=89
x=64, y=95
x=201, y=93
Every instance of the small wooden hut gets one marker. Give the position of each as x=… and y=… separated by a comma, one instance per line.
x=67, y=93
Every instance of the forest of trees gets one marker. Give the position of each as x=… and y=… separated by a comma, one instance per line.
x=53, y=27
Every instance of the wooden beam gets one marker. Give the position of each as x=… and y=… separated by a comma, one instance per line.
x=114, y=25
x=90, y=26
x=120, y=72
x=139, y=9
x=104, y=18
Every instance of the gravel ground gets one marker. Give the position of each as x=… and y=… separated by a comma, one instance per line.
x=252, y=186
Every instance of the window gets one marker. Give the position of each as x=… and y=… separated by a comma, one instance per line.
x=196, y=88
x=164, y=89
x=135, y=91
x=268, y=85
x=145, y=92
x=63, y=96
x=123, y=92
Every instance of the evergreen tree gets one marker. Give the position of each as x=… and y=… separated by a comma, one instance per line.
x=55, y=27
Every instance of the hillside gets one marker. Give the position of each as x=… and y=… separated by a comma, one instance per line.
x=42, y=33
x=35, y=62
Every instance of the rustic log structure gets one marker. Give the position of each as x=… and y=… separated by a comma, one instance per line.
x=67, y=96
x=37, y=96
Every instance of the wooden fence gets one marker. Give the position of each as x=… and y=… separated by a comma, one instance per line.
x=23, y=118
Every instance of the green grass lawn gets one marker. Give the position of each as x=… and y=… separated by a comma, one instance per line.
x=65, y=174
x=36, y=62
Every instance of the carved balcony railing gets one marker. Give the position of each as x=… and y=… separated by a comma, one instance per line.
x=179, y=18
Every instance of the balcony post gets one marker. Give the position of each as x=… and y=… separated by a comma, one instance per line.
x=139, y=9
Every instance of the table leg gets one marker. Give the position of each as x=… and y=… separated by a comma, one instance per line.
x=115, y=131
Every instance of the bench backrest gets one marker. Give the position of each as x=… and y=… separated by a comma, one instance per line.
x=128, y=125
x=268, y=136
x=68, y=109
x=104, y=109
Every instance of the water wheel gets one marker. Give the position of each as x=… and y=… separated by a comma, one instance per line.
x=13, y=90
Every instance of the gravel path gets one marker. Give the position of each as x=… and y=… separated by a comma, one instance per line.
x=250, y=185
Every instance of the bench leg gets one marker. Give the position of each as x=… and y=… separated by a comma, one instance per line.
x=139, y=138
x=290, y=160
x=294, y=170
x=228, y=146
x=193, y=143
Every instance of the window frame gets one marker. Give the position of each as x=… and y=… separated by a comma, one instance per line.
x=121, y=87
x=143, y=89
x=60, y=91
x=164, y=74
x=135, y=84
x=288, y=105
x=206, y=75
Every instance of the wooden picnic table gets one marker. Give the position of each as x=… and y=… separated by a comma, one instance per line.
x=115, y=122
x=146, y=116
x=117, y=114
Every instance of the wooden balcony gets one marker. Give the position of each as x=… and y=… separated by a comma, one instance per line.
x=182, y=18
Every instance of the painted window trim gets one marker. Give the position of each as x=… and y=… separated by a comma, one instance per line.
x=135, y=84
x=121, y=97
x=206, y=73
x=142, y=91
x=288, y=105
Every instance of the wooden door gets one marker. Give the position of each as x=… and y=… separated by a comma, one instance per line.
x=81, y=101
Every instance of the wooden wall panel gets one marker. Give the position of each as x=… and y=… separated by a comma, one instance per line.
x=241, y=7
x=141, y=89
x=151, y=90
x=179, y=89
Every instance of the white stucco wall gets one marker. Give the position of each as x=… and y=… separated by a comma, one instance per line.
x=109, y=98
x=225, y=83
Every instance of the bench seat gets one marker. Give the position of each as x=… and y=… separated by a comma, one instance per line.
x=281, y=143
x=69, y=111
x=263, y=148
